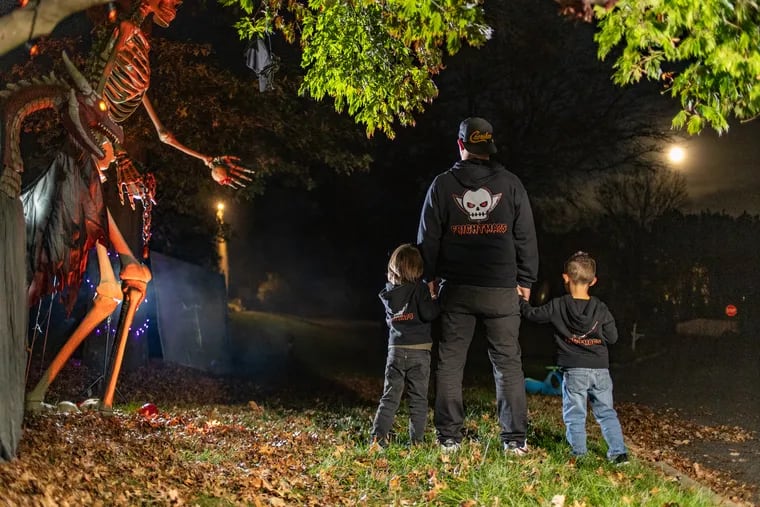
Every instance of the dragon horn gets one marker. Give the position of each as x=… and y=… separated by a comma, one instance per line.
x=79, y=80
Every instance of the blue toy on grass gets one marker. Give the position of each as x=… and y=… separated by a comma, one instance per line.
x=551, y=385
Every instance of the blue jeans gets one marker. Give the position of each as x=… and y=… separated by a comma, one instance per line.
x=462, y=306
x=594, y=385
x=405, y=370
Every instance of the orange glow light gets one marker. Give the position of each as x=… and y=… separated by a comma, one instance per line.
x=102, y=105
x=731, y=310
x=34, y=50
x=112, y=12
x=23, y=3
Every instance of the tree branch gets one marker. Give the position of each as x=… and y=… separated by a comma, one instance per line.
x=16, y=27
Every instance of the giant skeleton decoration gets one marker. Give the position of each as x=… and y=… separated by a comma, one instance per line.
x=83, y=114
x=121, y=74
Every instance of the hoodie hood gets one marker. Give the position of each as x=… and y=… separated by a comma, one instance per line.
x=582, y=315
x=582, y=329
x=396, y=297
x=476, y=173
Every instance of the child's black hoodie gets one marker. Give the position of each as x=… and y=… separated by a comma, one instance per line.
x=409, y=309
x=582, y=329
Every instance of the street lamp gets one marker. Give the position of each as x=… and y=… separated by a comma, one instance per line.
x=221, y=244
x=220, y=212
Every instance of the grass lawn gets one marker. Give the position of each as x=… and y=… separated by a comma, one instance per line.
x=299, y=436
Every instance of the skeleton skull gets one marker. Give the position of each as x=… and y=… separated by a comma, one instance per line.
x=478, y=203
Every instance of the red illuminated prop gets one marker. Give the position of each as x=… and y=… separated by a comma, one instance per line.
x=731, y=311
x=122, y=75
x=148, y=410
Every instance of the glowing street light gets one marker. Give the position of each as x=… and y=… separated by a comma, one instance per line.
x=676, y=154
x=220, y=211
x=224, y=261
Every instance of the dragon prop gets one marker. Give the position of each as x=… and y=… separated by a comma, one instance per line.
x=64, y=210
x=82, y=112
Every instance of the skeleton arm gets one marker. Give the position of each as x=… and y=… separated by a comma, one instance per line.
x=224, y=169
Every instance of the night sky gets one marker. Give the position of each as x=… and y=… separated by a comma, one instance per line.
x=723, y=172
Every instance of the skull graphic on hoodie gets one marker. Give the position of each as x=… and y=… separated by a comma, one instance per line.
x=477, y=204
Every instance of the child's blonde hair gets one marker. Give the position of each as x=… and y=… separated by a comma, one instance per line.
x=580, y=268
x=405, y=265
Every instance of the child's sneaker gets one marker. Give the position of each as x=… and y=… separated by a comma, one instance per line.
x=620, y=459
x=378, y=443
x=578, y=459
x=449, y=445
x=516, y=448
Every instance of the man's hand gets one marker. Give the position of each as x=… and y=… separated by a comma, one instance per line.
x=524, y=292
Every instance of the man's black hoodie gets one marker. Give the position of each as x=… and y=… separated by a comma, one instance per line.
x=409, y=309
x=582, y=329
x=477, y=227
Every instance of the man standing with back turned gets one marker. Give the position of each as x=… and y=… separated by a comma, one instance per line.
x=477, y=236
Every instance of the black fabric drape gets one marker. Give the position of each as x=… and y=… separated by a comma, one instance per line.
x=65, y=216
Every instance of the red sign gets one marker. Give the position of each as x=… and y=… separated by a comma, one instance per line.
x=731, y=310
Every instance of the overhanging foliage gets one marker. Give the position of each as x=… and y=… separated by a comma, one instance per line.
x=705, y=52
x=376, y=58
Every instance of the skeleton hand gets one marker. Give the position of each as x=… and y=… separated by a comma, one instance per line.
x=131, y=183
x=226, y=171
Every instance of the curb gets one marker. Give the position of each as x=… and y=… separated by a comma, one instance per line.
x=688, y=481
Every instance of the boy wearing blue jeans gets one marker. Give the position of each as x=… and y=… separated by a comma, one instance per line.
x=583, y=327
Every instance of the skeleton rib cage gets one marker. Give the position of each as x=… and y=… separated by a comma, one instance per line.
x=123, y=75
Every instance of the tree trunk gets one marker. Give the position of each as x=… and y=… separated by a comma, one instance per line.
x=13, y=315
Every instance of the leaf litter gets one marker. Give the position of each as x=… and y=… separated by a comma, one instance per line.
x=236, y=442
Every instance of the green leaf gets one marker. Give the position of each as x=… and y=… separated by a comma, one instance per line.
x=374, y=58
x=714, y=43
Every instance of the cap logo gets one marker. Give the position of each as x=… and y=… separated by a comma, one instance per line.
x=479, y=137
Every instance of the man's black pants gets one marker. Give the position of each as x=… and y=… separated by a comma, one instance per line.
x=499, y=311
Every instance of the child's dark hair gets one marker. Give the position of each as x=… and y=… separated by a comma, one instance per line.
x=405, y=265
x=580, y=268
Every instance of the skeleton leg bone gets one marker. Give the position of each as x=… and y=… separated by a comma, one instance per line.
x=134, y=282
x=133, y=296
x=108, y=295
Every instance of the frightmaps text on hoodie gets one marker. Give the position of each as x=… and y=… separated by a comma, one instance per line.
x=409, y=309
x=582, y=329
x=476, y=227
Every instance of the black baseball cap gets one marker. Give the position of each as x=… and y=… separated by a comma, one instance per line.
x=477, y=136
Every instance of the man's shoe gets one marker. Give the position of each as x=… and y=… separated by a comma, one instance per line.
x=449, y=445
x=517, y=448
x=620, y=459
